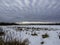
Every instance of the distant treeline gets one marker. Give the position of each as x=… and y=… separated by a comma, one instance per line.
x=4, y=23
x=42, y=24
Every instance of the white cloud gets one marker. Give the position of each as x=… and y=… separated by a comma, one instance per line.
x=26, y=3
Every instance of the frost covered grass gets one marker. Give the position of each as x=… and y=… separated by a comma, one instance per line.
x=13, y=42
x=33, y=35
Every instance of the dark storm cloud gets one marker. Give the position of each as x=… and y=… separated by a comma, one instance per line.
x=29, y=10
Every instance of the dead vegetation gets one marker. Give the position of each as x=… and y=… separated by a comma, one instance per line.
x=45, y=35
x=42, y=42
x=24, y=42
x=34, y=34
x=2, y=33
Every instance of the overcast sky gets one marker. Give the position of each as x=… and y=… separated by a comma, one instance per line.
x=29, y=10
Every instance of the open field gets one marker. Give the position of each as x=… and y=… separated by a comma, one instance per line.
x=30, y=35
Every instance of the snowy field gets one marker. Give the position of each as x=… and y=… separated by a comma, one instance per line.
x=33, y=34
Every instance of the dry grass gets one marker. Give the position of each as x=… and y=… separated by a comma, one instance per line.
x=25, y=42
x=2, y=33
x=34, y=34
x=45, y=36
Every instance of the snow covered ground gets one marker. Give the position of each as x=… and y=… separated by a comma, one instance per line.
x=51, y=36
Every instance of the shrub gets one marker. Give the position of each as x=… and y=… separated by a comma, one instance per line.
x=45, y=36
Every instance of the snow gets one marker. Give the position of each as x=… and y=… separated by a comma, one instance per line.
x=12, y=33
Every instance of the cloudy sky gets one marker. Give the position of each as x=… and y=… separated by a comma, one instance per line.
x=29, y=10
